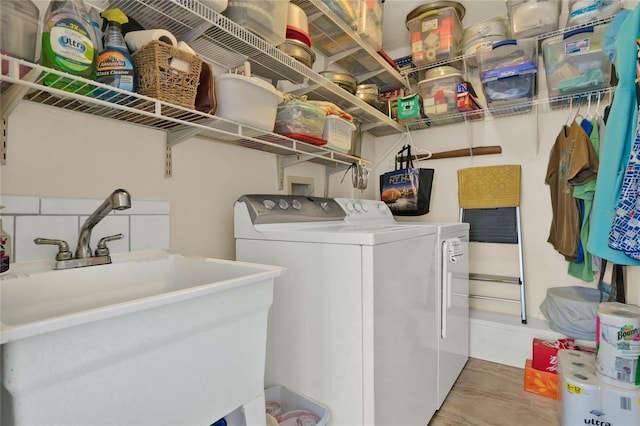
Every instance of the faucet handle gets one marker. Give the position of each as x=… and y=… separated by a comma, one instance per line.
x=102, y=249
x=63, y=247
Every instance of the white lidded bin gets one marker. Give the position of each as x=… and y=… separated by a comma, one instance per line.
x=280, y=401
x=530, y=18
x=585, y=11
x=247, y=100
x=337, y=132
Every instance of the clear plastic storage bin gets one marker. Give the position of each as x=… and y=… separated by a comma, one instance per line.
x=439, y=94
x=529, y=18
x=265, y=18
x=363, y=16
x=436, y=32
x=370, y=23
x=297, y=118
x=482, y=36
x=575, y=62
x=508, y=75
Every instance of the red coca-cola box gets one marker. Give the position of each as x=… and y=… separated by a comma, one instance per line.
x=545, y=353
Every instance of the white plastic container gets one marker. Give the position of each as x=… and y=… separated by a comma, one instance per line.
x=439, y=94
x=286, y=400
x=529, y=18
x=575, y=62
x=247, y=100
x=265, y=18
x=337, y=132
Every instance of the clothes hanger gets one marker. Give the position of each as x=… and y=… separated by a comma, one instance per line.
x=574, y=117
x=588, y=116
x=567, y=123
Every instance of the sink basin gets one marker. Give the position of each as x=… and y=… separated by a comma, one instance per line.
x=151, y=339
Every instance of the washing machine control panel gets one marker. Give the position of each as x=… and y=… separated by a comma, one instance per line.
x=291, y=208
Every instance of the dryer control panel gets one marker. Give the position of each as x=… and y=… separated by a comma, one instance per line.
x=363, y=210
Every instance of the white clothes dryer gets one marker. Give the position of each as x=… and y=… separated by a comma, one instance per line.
x=451, y=274
x=353, y=321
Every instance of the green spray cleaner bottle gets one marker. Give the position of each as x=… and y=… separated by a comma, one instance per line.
x=114, y=62
x=68, y=45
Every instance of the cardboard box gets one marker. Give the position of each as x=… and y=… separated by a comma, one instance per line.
x=541, y=382
x=410, y=107
x=545, y=353
x=467, y=101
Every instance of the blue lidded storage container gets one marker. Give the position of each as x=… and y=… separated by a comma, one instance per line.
x=508, y=74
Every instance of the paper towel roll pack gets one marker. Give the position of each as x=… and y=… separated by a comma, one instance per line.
x=620, y=406
x=581, y=397
x=618, y=344
x=575, y=359
x=580, y=388
x=586, y=399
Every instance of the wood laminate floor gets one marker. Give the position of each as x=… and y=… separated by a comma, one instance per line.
x=490, y=394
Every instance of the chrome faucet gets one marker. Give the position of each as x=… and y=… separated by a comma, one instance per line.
x=119, y=199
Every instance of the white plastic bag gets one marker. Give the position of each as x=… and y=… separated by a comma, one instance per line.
x=572, y=311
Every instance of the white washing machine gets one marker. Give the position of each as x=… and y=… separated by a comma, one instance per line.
x=353, y=321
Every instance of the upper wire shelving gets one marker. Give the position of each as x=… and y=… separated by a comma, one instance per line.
x=77, y=94
x=536, y=105
x=220, y=41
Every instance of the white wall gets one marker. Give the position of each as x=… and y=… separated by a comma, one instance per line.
x=56, y=153
x=544, y=267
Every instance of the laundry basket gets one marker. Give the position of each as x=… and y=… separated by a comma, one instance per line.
x=337, y=132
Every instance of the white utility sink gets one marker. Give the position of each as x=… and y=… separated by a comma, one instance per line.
x=151, y=339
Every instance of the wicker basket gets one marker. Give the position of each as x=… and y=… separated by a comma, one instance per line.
x=157, y=79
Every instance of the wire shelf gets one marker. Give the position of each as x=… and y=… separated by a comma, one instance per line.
x=461, y=60
x=537, y=105
x=77, y=94
x=331, y=36
x=220, y=41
